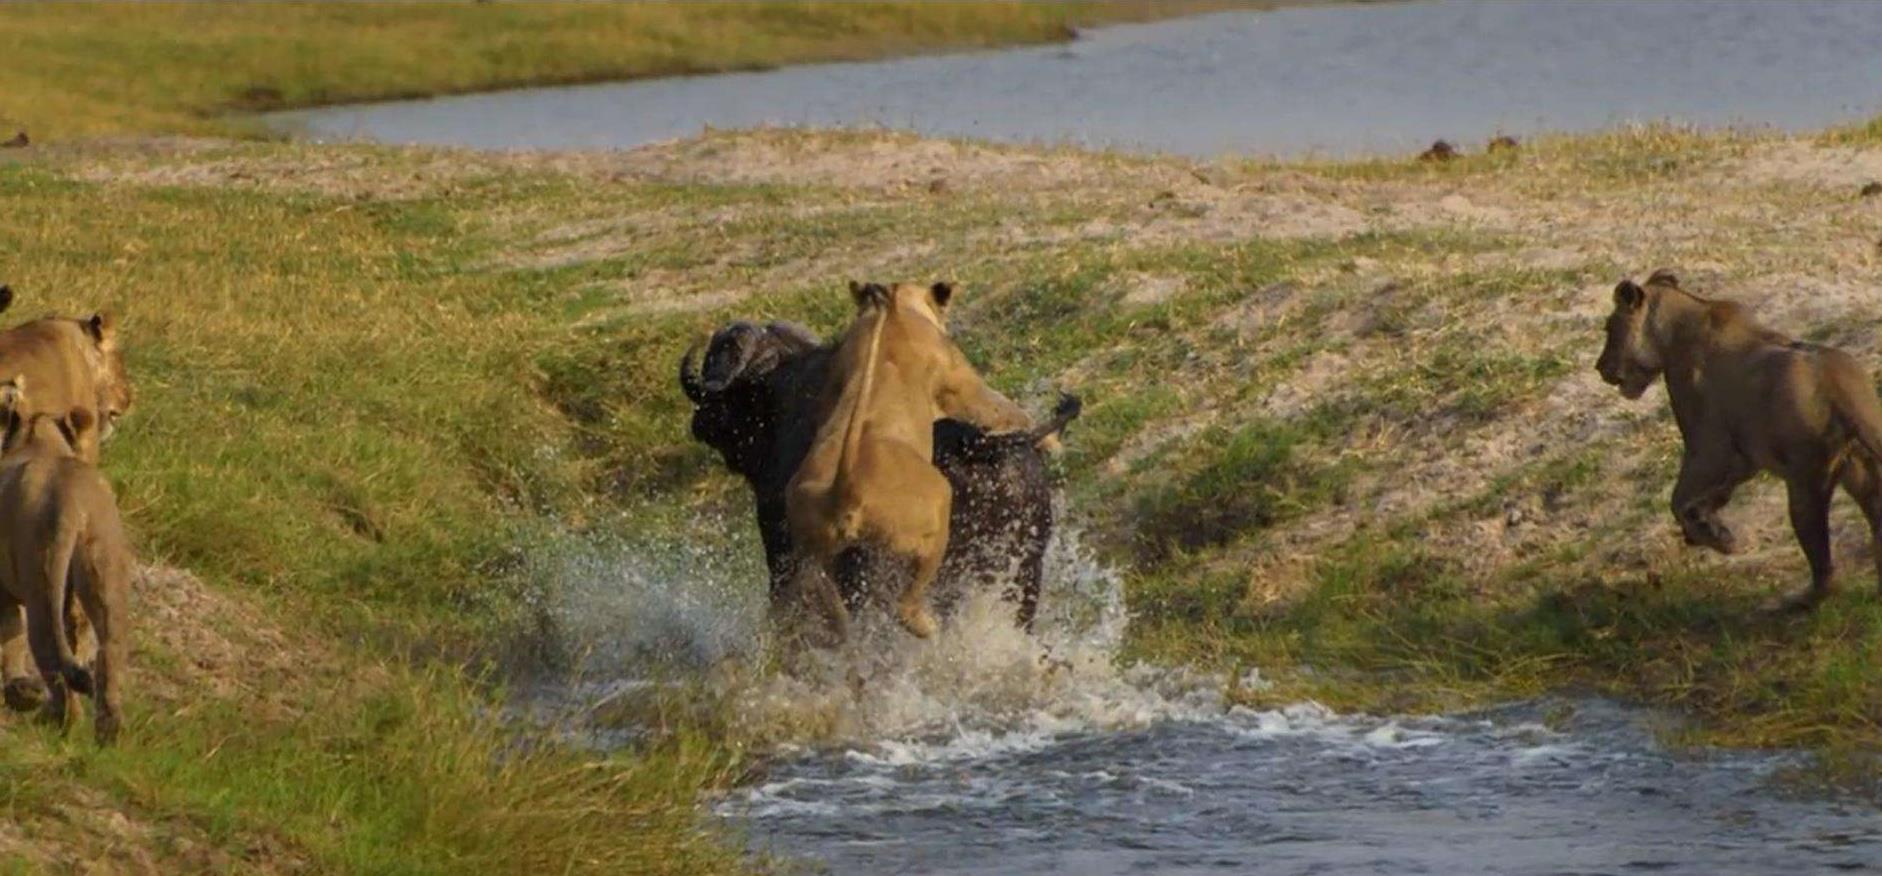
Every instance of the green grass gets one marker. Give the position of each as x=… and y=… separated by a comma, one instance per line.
x=1248, y=479
x=81, y=69
x=413, y=777
x=341, y=421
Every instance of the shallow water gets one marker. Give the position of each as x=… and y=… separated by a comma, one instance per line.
x=991, y=751
x=1333, y=80
x=1301, y=790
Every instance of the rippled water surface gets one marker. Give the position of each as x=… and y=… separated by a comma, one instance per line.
x=1333, y=79
x=1300, y=790
x=991, y=751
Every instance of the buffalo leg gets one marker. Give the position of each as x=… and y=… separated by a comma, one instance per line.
x=1027, y=581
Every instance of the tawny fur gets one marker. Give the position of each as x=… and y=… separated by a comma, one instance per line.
x=65, y=552
x=69, y=363
x=1748, y=399
x=868, y=482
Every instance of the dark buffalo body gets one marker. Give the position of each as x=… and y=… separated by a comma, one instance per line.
x=754, y=400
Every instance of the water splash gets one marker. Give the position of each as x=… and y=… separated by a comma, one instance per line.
x=984, y=685
x=671, y=624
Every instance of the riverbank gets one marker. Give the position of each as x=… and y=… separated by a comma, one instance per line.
x=376, y=384
x=1389, y=472
x=86, y=69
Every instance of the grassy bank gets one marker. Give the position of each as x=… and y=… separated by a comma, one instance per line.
x=370, y=379
x=81, y=69
x=339, y=429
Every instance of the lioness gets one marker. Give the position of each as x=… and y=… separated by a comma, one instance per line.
x=755, y=400
x=64, y=543
x=1748, y=399
x=867, y=493
x=70, y=363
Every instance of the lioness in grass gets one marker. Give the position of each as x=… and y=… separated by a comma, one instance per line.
x=64, y=549
x=1748, y=399
x=70, y=363
x=867, y=497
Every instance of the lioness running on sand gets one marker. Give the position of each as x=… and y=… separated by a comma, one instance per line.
x=1748, y=399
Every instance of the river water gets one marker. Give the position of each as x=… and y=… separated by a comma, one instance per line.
x=991, y=751
x=1330, y=80
x=1301, y=790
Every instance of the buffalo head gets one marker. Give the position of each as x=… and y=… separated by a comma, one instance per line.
x=730, y=389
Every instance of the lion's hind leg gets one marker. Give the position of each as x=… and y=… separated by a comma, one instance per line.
x=104, y=588
x=23, y=690
x=909, y=516
x=928, y=547
x=1810, y=519
x=1862, y=483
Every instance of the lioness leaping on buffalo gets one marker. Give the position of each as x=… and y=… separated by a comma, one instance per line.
x=868, y=495
x=755, y=402
x=1748, y=399
x=65, y=550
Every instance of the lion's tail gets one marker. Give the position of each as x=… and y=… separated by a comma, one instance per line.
x=58, y=570
x=849, y=512
x=1854, y=400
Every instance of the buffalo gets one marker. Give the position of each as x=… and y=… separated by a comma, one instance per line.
x=754, y=401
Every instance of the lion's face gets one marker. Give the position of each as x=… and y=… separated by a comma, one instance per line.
x=1629, y=360
x=114, y=381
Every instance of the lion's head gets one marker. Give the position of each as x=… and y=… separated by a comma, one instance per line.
x=1631, y=359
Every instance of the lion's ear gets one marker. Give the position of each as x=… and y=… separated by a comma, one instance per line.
x=1629, y=295
x=866, y=294
x=77, y=428
x=941, y=293
x=6, y=296
x=1663, y=277
x=103, y=328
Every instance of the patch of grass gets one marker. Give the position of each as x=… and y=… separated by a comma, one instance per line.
x=1107, y=421
x=339, y=417
x=1401, y=625
x=1251, y=478
x=413, y=775
x=1866, y=133
x=80, y=69
x=1459, y=377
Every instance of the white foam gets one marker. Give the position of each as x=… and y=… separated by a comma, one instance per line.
x=983, y=687
x=627, y=608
